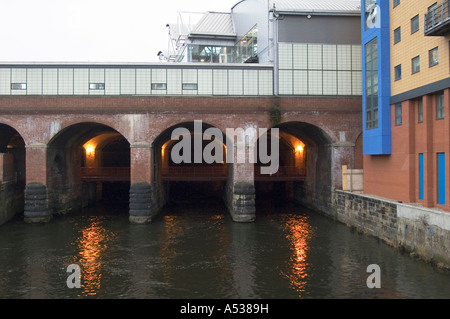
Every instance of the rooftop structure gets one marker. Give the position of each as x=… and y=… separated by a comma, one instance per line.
x=350, y=7
x=313, y=46
x=249, y=31
x=259, y=48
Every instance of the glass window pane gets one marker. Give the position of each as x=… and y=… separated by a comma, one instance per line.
x=416, y=64
x=415, y=24
x=397, y=35
x=434, y=57
x=372, y=84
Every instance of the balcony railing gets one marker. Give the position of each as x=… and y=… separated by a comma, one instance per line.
x=437, y=20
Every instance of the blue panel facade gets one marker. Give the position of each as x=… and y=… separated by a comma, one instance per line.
x=376, y=100
x=441, y=178
x=421, y=178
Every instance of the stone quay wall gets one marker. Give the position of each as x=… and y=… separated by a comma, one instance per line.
x=419, y=231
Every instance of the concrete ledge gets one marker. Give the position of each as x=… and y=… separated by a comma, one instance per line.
x=425, y=233
x=429, y=216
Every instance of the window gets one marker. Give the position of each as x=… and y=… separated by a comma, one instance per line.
x=398, y=72
x=398, y=114
x=190, y=86
x=397, y=35
x=371, y=13
x=396, y=3
x=247, y=47
x=159, y=86
x=434, y=57
x=420, y=110
x=440, y=106
x=18, y=86
x=371, y=94
x=96, y=86
x=416, y=65
x=415, y=24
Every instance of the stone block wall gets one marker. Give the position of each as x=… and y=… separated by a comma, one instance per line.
x=369, y=215
x=422, y=232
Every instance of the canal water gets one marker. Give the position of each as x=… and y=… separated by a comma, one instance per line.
x=197, y=251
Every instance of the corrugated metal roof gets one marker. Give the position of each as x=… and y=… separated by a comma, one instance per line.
x=318, y=6
x=215, y=24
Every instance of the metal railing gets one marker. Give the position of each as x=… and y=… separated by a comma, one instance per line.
x=105, y=174
x=437, y=18
x=194, y=173
x=189, y=173
x=284, y=173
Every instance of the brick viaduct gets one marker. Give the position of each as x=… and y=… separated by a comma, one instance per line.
x=46, y=135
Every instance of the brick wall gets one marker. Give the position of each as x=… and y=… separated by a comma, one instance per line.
x=331, y=125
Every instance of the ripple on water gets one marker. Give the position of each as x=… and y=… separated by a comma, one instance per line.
x=200, y=253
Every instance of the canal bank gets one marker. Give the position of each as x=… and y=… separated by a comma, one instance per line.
x=419, y=231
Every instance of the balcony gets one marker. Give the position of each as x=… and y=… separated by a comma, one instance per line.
x=437, y=20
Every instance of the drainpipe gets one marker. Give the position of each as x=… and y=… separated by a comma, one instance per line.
x=273, y=47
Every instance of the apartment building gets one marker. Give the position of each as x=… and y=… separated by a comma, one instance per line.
x=406, y=99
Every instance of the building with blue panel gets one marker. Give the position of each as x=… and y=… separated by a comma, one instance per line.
x=376, y=77
x=406, y=100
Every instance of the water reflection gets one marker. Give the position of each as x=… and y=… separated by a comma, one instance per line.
x=299, y=234
x=202, y=253
x=91, y=246
x=168, y=239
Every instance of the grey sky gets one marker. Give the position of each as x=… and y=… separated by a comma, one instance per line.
x=91, y=30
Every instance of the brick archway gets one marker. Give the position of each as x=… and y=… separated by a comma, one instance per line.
x=141, y=120
x=12, y=172
x=58, y=170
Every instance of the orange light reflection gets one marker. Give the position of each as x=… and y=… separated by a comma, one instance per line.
x=299, y=234
x=92, y=244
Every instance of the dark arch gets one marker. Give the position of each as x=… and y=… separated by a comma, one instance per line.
x=315, y=188
x=172, y=180
x=308, y=132
x=167, y=133
x=13, y=172
x=72, y=181
x=80, y=132
x=9, y=137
